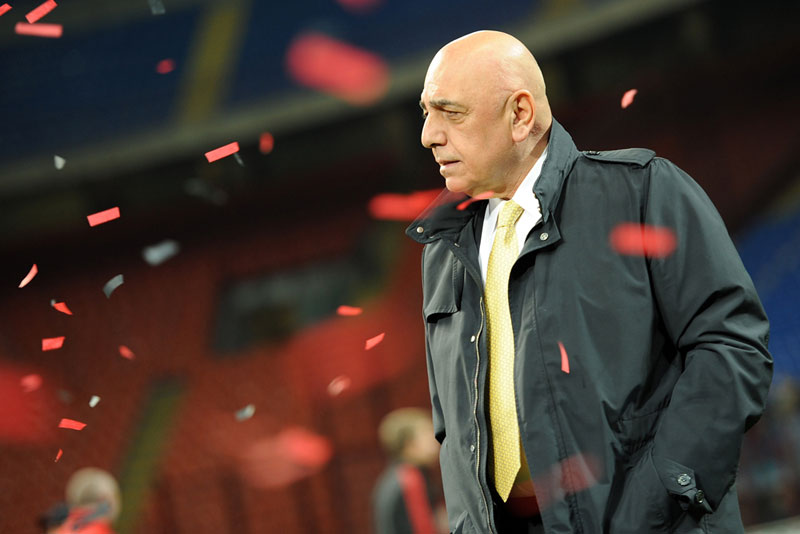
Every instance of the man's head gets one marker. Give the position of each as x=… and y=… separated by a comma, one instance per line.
x=486, y=113
x=407, y=435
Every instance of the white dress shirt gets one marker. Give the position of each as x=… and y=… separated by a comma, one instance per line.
x=530, y=216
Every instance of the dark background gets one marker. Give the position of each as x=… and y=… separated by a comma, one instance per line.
x=272, y=244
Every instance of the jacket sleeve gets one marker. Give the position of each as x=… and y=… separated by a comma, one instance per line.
x=712, y=313
x=437, y=415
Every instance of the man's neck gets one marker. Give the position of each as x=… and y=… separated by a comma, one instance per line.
x=528, y=162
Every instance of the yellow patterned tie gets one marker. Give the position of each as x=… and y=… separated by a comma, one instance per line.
x=502, y=406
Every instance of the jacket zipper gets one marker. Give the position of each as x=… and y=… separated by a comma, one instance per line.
x=477, y=426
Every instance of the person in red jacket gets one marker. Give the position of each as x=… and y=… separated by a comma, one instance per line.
x=404, y=500
x=94, y=502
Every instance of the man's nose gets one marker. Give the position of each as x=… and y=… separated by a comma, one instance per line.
x=432, y=133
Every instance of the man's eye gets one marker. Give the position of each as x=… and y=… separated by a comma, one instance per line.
x=451, y=114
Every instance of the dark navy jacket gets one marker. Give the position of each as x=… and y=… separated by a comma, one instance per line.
x=668, y=360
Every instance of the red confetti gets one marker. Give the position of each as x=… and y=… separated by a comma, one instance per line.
x=62, y=307
x=348, y=311
x=125, y=352
x=52, y=343
x=338, y=385
x=41, y=11
x=627, y=98
x=266, y=143
x=223, y=151
x=397, y=207
x=305, y=448
x=30, y=382
x=355, y=75
x=39, y=30
x=564, y=358
x=103, y=216
x=373, y=341
x=643, y=240
x=71, y=424
x=479, y=196
x=34, y=270
x=165, y=66
x=60, y=453
x=5, y=8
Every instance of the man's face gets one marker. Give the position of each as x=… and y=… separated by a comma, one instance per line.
x=466, y=127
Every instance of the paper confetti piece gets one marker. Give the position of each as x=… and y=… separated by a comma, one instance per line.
x=238, y=159
x=348, y=311
x=479, y=196
x=59, y=162
x=125, y=352
x=28, y=277
x=93, y=401
x=59, y=454
x=160, y=252
x=564, y=358
x=71, y=424
x=304, y=447
x=371, y=342
x=30, y=383
x=5, y=8
x=246, y=412
x=353, y=74
x=39, y=12
x=266, y=143
x=52, y=343
x=113, y=284
x=398, y=207
x=201, y=189
x=53, y=31
x=338, y=385
x=102, y=217
x=60, y=306
x=222, y=152
x=156, y=7
x=643, y=240
x=627, y=98
x=165, y=66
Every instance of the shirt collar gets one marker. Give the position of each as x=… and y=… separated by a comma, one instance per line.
x=524, y=195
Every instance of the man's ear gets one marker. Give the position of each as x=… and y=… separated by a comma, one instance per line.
x=524, y=115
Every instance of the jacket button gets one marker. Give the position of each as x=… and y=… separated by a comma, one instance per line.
x=420, y=229
x=472, y=339
x=543, y=236
x=684, y=479
x=472, y=448
x=699, y=497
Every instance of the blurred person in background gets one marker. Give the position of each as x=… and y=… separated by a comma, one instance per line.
x=577, y=386
x=94, y=502
x=404, y=499
x=50, y=521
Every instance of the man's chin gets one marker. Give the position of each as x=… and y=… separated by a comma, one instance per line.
x=456, y=185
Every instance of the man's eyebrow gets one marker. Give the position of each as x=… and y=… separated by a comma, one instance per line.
x=440, y=103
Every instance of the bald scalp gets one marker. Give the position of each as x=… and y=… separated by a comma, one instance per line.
x=500, y=63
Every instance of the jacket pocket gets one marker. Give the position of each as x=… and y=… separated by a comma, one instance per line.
x=634, y=433
x=645, y=505
x=463, y=525
x=442, y=291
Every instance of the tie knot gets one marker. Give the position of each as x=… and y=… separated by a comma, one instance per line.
x=509, y=214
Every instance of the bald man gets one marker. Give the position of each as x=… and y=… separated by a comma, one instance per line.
x=576, y=388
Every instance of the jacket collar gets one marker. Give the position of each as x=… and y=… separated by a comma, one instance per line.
x=443, y=219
